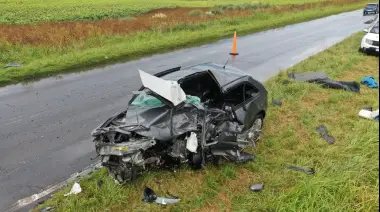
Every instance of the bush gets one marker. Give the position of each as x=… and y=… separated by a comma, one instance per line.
x=195, y=13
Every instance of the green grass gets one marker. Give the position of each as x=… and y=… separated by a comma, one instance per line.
x=34, y=11
x=347, y=177
x=47, y=61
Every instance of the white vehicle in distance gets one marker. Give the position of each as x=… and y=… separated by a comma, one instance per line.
x=370, y=41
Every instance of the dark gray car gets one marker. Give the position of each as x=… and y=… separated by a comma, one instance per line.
x=371, y=8
x=223, y=113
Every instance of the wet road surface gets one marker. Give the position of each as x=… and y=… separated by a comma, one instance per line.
x=45, y=126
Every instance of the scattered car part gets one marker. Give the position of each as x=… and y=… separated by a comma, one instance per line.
x=369, y=82
x=165, y=201
x=322, y=78
x=193, y=115
x=369, y=114
x=277, y=102
x=309, y=171
x=370, y=41
x=76, y=189
x=256, y=187
x=323, y=132
x=150, y=196
x=100, y=183
x=13, y=65
x=47, y=209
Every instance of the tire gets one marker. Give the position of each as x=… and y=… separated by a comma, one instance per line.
x=254, y=133
x=363, y=51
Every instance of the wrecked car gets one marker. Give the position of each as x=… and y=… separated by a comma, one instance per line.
x=194, y=115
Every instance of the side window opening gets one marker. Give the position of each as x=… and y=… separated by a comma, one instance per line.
x=250, y=91
x=235, y=96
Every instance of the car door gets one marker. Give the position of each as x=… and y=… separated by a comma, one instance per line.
x=240, y=98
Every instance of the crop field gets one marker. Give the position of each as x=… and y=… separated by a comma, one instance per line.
x=347, y=172
x=50, y=37
x=33, y=11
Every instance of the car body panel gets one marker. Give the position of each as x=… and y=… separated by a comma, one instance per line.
x=156, y=121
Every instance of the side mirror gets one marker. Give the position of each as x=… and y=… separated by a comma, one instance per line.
x=366, y=30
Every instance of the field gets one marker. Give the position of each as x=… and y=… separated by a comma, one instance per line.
x=50, y=37
x=347, y=172
x=34, y=11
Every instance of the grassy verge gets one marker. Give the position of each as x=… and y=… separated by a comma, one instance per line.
x=347, y=177
x=46, y=61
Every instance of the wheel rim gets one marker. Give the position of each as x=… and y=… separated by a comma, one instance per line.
x=255, y=131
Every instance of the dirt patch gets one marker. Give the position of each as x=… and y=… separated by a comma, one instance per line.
x=59, y=34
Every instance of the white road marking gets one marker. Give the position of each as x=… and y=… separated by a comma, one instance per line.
x=50, y=189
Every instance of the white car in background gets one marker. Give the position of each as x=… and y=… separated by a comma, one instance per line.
x=370, y=41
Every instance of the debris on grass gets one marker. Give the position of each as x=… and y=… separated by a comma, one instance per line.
x=47, y=209
x=150, y=196
x=369, y=114
x=100, y=183
x=323, y=132
x=369, y=82
x=256, y=187
x=277, y=102
x=322, y=78
x=309, y=171
x=76, y=189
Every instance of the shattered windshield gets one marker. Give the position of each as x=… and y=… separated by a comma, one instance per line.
x=147, y=109
x=145, y=99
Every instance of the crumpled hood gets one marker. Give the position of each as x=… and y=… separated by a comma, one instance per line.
x=157, y=122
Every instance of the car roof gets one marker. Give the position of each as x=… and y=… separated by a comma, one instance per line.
x=223, y=75
x=372, y=3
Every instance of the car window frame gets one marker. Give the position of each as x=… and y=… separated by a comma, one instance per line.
x=235, y=107
x=245, y=100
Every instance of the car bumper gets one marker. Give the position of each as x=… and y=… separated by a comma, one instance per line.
x=369, y=12
x=371, y=50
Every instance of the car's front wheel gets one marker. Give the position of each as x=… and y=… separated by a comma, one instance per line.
x=254, y=133
x=363, y=50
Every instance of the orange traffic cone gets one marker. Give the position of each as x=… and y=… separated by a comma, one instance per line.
x=234, y=46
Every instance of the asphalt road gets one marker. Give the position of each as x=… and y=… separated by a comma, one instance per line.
x=45, y=126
